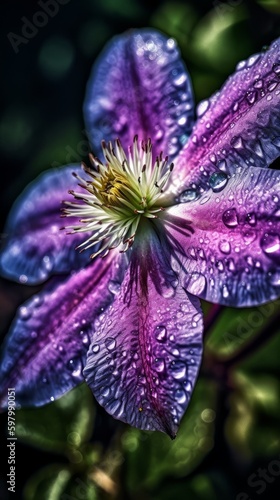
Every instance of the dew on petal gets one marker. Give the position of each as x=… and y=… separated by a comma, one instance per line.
x=178, y=369
x=159, y=365
x=180, y=396
x=218, y=181
x=160, y=333
x=196, y=283
x=274, y=278
x=236, y=142
x=202, y=108
x=230, y=218
x=75, y=366
x=188, y=195
x=270, y=243
x=225, y=247
x=24, y=313
x=95, y=348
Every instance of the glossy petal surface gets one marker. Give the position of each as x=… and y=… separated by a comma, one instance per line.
x=238, y=126
x=36, y=247
x=145, y=355
x=44, y=353
x=230, y=241
x=140, y=86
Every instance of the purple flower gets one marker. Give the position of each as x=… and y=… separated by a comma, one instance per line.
x=128, y=320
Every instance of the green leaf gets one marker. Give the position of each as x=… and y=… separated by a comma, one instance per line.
x=61, y=426
x=152, y=456
x=236, y=326
x=56, y=482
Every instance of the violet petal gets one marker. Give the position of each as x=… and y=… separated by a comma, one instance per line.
x=145, y=356
x=44, y=352
x=35, y=247
x=140, y=86
x=228, y=242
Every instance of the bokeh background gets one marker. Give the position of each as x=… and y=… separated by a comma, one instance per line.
x=228, y=446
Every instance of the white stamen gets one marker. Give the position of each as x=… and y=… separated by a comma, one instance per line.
x=118, y=195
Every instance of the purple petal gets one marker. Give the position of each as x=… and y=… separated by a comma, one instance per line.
x=45, y=350
x=240, y=125
x=144, y=358
x=140, y=86
x=35, y=246
x=229, y=242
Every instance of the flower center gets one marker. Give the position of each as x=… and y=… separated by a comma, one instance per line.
x=120, y=193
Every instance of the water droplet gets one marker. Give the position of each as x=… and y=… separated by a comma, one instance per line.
x=105, y=392
x=240, y=65
x=168, y=291
x=258, y=84
x=188, y=195
x=225, y=292
x=23, y=278
x=159, y=365
x=202, y=108
x=218, y=181
x=251, y=219
x=175, y=352
x=85, y=337
x=114, y=287
x=180, y=80
x=251, y=97
x=222, y=165
x=272, y=85
x=249, y=236
x=160, y=333
x=270, y=243
x=110, y=343
x=274, y=278
x=75, y=366
x=95, y=348
x=195, y=283
x=225, y=247
x=178, y=369
x=220, y=266
x=24, y=313
x=230, y=218
x=276, y=69
x=236, y=142
x=180, y=396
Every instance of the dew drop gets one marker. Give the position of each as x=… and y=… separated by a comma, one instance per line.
x=23, y=278
x=258, y=84
x=251, y=219
x=274, y=278
x=95, y=348
x=270, y=243
x=276, y=69
x=75, y=366
x=160, y=333
x=225, y=247
x=222, y=165
x=218, y=181
x=24, y=313
x=188, y=195
x=178, y=369
x=202, y=108
x=110, y=343
x=159, y=365
x=251, y=97
x=196, y=283
x=236, y=142
x=230, y=218
x=225, y=292
x=180, y=396
x=114, y=287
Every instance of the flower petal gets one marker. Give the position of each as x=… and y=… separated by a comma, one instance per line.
x=140, y=86
x=229, y=242
x=144, y=358
x=45, y=350
x=35, y=246
x=238, y=126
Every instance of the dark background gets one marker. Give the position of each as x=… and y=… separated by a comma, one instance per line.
x=42, y=90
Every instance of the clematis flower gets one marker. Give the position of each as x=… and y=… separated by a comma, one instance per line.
x=172, y=210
